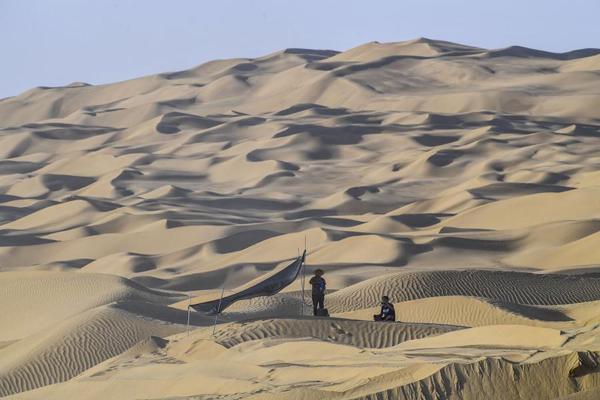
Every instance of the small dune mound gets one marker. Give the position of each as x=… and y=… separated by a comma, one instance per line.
x=469, y=311
x=511, y=287
x=591, y=63
x=503, y=190
x=315, y=109
x=73, y=346
x=434, y=140
x=121, y=264
x=50, y=297
x=499, y=379
x=521, y=52
x=166, y=191
x=43, y=186
x=580, y=130
x=175, y=122
x=421, y=47
x=525, y=211
x=353, y=333
x=58, y=217
x=67, y=132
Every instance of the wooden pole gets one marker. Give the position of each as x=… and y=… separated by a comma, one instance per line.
x=189, y=311
x=303, y=275
x=302, y=289
x=218, y=309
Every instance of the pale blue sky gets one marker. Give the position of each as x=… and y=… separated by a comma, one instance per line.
x=55, y=42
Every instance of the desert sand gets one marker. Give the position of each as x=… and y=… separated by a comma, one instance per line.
x=462, y=182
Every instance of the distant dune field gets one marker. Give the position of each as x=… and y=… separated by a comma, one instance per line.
x=462, y=182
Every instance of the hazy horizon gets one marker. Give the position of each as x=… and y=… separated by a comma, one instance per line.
x=56, y=43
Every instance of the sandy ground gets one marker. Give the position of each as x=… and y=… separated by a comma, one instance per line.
x=462, y=182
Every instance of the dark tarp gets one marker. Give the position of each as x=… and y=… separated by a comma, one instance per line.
x=268, y=287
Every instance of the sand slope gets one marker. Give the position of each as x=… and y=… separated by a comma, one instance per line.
x=355, y=333
x=478, y=359
x=73, y=346
x=42, y=299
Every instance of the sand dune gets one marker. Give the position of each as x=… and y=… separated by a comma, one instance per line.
x=513, y=287
x=43, y=299
x=498, y=380
x=462, y=182
x=470, y=311
x=354, y=333
x=413, y=369
x=463, y=298
x=73, y=346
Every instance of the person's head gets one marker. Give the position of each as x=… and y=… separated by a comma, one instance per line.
x=385, y=299
x=319, y=272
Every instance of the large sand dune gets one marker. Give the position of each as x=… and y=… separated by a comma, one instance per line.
x=462, y=182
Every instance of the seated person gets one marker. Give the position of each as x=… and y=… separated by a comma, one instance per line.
x=387, y=311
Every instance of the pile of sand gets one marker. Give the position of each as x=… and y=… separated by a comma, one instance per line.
x=462, y=182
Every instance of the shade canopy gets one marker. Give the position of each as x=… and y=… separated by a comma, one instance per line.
x=267, y=287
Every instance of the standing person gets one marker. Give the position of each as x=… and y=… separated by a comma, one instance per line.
x=387, y=313
x=318, y=291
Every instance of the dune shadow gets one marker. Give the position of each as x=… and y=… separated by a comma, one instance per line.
x=336, y=135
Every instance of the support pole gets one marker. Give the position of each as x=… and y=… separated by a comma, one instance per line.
x=189, y=311
x=302, y=289
x=218, y=309
x=303, y=275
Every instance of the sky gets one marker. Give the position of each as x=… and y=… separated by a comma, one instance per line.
x=56, y=42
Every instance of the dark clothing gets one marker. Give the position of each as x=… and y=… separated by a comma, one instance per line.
x=318, y=301
x=387, y=313
x=318, y=285
x=318, y=293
